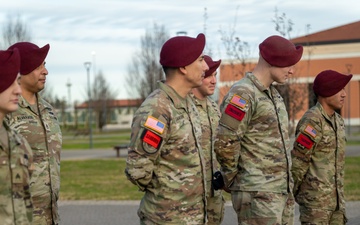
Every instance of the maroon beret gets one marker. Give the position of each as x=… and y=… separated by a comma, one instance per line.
x=9, y=68
x=329, y=82
x=181, y=51
x=31, y=56
x=213, y=65
x=280, y=52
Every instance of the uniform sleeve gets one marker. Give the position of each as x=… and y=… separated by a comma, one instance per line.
x=306, y=138
x=147, y=137
x=232, y=126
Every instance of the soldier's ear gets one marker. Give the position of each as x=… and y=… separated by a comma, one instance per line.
x=183, y=70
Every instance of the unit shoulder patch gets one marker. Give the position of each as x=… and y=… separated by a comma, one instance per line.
x=152, y=139
x=305, y=141
x=234, y=112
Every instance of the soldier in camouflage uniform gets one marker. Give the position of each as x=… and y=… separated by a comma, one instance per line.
x=209, y=118
x=36, y=121
x=319, y=154
x=253, y=145
x=15, y=153
x=164, y=157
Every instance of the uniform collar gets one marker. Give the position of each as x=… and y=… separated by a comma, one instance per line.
x=257, y=83
x=179, y=102
x=198, y=102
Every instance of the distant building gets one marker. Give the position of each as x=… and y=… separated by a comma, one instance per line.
x=118, y=113
x=336, y=49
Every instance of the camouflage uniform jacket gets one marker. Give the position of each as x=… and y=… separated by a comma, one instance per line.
x=41, y=129
x=318, y=160
x=15, y=171
x=253, y=145
x=209, y=116
x=165, y=159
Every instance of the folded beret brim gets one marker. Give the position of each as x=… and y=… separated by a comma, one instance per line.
x=10, y=66
x=328, y=83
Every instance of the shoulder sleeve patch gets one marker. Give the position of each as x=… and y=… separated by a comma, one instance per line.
x=305, y=141
x=152, y=139
x=154, y=124
x=238, y=101
x=310, y=131
x=234, y=112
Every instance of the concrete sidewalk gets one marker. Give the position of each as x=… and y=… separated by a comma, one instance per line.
x=124, y=213
x=352, y=150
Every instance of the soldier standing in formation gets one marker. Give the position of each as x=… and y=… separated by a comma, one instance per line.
x=209, y=118
x=253, y=144
x=15, y=153
x=164, y=157
x=37, y=122
x=319, y=154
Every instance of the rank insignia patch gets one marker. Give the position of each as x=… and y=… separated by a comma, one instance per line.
x=154, y=124
x=305, y=141
x=311, y=131
x=151, y=139
x=238, y=101
x=234, y=112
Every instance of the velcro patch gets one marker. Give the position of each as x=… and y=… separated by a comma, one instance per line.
x=151, y=139
x=238, y=101
x=311, y=131
x=305, y=141
x=234, y=112
x=154, y=124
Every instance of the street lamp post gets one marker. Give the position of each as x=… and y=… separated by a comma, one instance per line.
x=87, y=67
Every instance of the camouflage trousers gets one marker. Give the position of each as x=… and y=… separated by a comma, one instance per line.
x=215, y=208
x=309, y=216
x=263, y=208
x=146, y=221
x=43, y=214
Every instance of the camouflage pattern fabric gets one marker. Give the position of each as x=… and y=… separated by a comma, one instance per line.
x=209, y=118
x=40, y=126
x=318, y=164
x=15, y=171
x=263, y=207
x=310, y=216
x=253, y=145
x=165, y=160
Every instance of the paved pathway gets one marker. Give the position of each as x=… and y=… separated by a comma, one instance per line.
x=124, y=213
x=352, y=150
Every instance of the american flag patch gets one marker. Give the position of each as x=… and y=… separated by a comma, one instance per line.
x=238, y=101
x=154, y=124
x=311, y=131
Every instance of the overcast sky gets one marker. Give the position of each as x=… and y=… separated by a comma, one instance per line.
x=107, y=32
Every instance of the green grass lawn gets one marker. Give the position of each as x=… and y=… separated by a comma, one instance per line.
x=99, y=140
x=105, y=180
x=96, y=180
x=352, y=178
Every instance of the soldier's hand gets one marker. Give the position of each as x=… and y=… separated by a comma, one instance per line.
x=226, y=189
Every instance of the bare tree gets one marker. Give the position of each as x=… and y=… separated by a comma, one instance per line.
x=282, y=25
x=293, y=89
x=14, y=30
x=237, y=52
x=145, y=69
x=101, y=95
